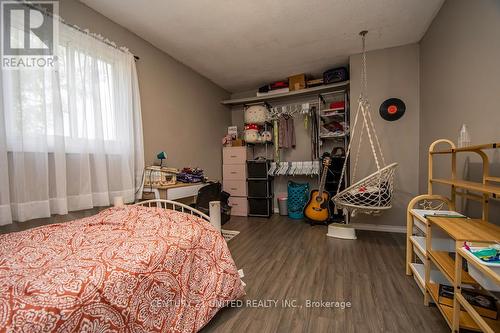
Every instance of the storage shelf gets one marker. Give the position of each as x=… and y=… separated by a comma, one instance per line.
x=333, y=136
x=471, y=260
x=447, y=265
x=419, y=245
x=420, y=216
x=336, y=111
x=491, y=324
x=419, y=275
x=340, y=115
x=250, y=144
x=493, y=190
x=455, y=229
x=341, y=86
x=463, y=229
x=486, y=324
x=468, y=149
x=466, y=320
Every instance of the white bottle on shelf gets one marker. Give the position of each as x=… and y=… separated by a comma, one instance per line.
x=464, y=137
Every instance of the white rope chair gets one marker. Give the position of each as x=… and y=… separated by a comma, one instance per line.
x=372, y=194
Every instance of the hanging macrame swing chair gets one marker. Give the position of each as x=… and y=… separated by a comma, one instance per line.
x=372, y=194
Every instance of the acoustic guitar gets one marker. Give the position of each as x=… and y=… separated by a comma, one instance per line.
x=317, y=208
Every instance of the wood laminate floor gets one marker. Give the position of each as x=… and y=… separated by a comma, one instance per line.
x=286, y=260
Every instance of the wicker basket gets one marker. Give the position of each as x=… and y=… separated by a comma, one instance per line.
x=157, y=177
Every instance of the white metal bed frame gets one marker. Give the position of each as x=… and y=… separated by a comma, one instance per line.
x=214, y=209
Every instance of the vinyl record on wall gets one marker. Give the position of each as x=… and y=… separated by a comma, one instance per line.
x=392, y=109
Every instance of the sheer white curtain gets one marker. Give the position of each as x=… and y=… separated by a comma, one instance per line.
x=71, y=138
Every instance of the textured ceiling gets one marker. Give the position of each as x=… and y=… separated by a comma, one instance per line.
x=241, y=44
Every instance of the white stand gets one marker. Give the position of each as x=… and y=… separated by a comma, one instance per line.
x=214, y=212
x=342, y=231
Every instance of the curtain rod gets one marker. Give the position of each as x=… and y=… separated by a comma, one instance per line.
x=85, y=31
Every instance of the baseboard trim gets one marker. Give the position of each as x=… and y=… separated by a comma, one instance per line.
x=379, y=227
x=400, y=229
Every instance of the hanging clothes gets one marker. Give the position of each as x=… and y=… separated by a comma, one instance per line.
x=286, y=130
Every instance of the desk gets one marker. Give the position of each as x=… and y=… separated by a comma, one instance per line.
x=175, y=191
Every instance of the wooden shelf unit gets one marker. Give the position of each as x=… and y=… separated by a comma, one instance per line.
x=466, y=320
x=437, y=266
x=446, y=265
x=482, y=191
x=418, y=227
x=493, y=190
x=468, y=149
x=460, y=230
x=478, y=322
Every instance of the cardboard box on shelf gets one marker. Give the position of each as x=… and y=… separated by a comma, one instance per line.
x=314, y=82
x=238, y=143
x=297, y=82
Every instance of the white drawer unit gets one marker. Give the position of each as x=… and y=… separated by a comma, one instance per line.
x=234, y=174
x=234, y=155
x=237, y=188
x=239, y=206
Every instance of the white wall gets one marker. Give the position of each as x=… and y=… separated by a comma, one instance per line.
x=392, y=72
x=460, y=82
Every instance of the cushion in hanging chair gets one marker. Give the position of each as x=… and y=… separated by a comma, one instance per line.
x=367, y=193
x=371, y=194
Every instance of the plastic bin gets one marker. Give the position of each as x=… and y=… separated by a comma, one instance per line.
x=283, y=206
x=482, y=278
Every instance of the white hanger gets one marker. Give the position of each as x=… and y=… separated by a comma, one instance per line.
x=294, y=168
x=272, y=169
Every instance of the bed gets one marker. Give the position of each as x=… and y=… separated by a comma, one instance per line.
x=137, y=268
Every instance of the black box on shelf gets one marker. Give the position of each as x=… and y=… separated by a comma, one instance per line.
x=257, y=169
x=259, y=188
x=262, y=207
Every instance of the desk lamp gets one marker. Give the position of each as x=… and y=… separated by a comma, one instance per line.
x=161, y=156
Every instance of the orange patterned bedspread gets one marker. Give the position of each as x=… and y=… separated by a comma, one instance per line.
x=129, y=269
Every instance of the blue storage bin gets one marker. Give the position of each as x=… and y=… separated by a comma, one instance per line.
x=298, y=194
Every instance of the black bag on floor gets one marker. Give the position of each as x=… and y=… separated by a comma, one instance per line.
x=213, y=192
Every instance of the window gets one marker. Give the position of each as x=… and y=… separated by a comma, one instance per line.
x=86, y=80
x=73, y=135
x=80, y=101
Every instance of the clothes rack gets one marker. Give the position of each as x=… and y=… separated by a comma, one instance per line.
x=295, y=168
x=291, y=110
